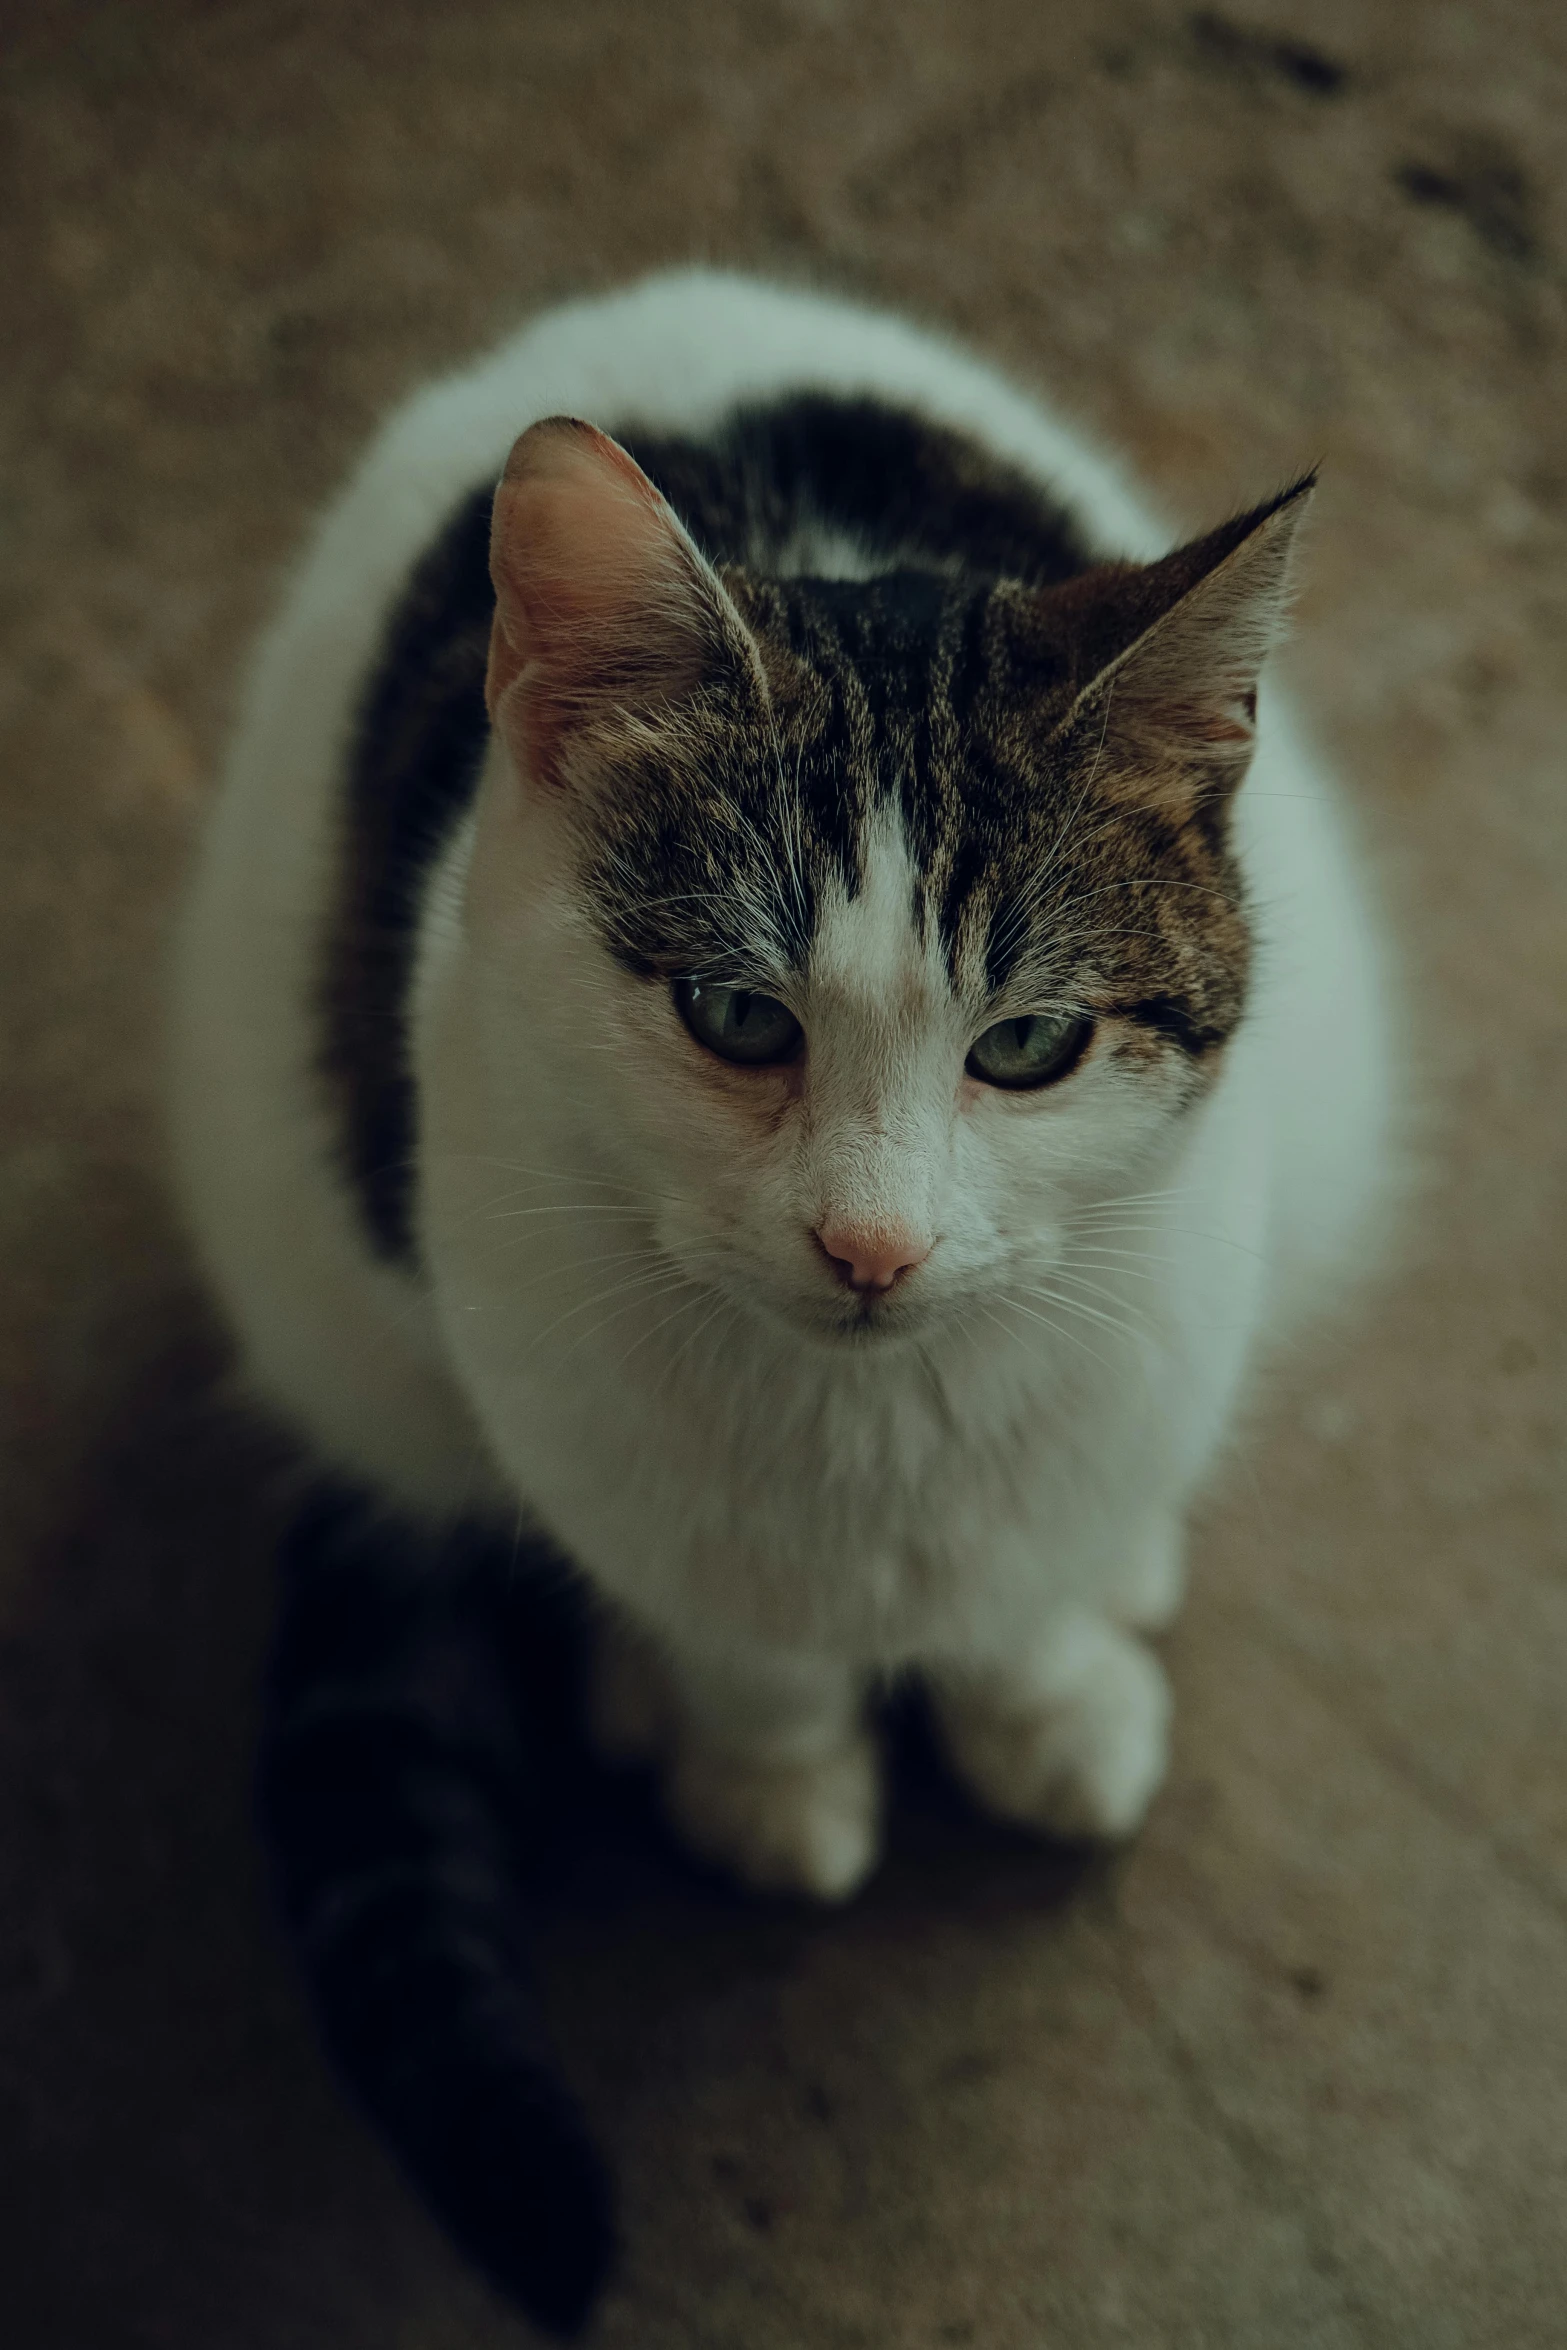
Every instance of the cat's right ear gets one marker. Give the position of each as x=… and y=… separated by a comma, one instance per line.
x=604, y=609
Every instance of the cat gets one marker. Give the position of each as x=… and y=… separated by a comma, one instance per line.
x=736, y=1020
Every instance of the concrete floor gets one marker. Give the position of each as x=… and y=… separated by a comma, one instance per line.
x=1295, y=2071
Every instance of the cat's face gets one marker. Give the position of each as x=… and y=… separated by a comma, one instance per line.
x=869, y=930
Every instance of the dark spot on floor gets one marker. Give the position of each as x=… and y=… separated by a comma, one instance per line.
x=1486, y=190
x=1254, y=52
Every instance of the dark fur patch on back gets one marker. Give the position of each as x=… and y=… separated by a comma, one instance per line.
x=420, y=738
x=912, y=493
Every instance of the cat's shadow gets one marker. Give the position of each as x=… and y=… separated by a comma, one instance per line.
x=173, y=2154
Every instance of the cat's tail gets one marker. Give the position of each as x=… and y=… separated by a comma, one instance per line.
x=406, y=1824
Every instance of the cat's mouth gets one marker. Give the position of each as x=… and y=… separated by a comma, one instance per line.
x=871, y=1318
x=849, y=1321
x=865, y=1323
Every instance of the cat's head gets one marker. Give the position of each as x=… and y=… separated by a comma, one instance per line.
x=866, y=930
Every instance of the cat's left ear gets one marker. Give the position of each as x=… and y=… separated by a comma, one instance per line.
x=604, y=609
x=1174, y=712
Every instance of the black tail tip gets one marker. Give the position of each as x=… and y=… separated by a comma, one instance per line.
x=509, y=2170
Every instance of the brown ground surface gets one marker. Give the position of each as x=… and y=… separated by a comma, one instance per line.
x=1295, y=2071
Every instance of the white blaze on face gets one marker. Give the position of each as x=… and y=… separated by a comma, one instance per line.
x=885, y=1053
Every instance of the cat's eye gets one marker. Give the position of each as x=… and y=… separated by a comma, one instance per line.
x=736, y=1023
x=1035, y=1050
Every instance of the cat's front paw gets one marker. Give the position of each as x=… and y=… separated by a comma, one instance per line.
x=808, y=1826
x=1083, y=1753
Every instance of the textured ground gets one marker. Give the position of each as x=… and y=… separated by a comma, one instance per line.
x=1294, y=2073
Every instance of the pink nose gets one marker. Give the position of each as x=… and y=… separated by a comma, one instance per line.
x=872, y=1259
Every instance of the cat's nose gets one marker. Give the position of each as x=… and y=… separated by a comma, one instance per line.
x=871, y=1259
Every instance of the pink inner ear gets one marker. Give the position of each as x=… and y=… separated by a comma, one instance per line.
x=601, y=600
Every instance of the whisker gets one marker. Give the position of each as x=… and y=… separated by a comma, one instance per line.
x=1017, y=1307
x=1187, y=1232
x=1103, y=1289
x=636, y=1281
x=1107, y=889
x=698, y=1293
x=1090, y=1256
x=688, y=1342
x=568, y=1265
x=1128, y=1199
x=1015, y=1336
x=583, y=1337
x=567, y=1208
x=1089, y=1313
x=516, y=1167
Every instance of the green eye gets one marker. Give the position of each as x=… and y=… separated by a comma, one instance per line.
x=1035, y=1050
x=736, y=1024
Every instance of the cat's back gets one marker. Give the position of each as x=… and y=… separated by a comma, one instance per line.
x=677, y=356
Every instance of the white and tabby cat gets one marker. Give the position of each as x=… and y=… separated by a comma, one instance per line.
x=736, y=1011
